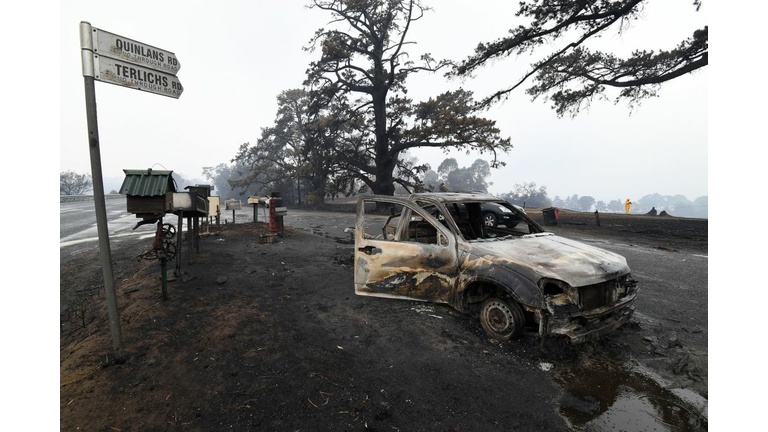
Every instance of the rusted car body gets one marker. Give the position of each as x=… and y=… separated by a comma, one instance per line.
x=436, y=247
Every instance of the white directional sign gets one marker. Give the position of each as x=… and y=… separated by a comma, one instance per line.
x=130, y=75
x=114, y=59
x=121, y=48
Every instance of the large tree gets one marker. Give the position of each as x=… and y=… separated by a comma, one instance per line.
x=363, y=58
x=570, y=74
x=302, y=147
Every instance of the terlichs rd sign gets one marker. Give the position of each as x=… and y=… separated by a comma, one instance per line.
x=125, y=62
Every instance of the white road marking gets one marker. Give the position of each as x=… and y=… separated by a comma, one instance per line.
x=702, y=256
x=93, y=239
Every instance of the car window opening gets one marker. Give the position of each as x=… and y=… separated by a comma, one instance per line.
x=484, y=220
x=417, y=230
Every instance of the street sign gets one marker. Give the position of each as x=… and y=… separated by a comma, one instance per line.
x=117, y=60
x=138, y=77
x=121, y=48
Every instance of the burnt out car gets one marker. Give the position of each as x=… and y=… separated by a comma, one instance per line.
x=437, y=247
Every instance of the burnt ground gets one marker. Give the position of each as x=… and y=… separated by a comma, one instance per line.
x=284, y=344
x=667, y=233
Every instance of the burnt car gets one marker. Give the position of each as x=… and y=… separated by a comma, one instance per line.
x=437, y=247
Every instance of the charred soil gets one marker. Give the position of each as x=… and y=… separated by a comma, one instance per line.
x=668, y=233
x=284, y=344
x=272, y=337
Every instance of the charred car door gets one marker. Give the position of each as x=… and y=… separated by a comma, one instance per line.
x=404, y=253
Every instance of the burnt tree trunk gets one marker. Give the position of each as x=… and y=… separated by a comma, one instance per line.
x=385, y=164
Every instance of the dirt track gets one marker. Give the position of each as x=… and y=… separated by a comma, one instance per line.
x=284, y=344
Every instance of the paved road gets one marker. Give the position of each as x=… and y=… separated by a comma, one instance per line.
x=77, y=223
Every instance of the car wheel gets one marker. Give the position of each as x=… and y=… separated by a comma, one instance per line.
x=502, y=319
x=490, y=219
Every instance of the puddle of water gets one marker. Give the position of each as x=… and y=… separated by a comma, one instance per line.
x=603, y=395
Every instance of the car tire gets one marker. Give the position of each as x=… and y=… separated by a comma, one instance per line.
x=501, y=318
x=490, y=219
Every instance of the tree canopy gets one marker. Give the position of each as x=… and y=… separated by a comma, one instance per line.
x=451, y=177
x=529, y=195
x=570, y=75
x=363, y=60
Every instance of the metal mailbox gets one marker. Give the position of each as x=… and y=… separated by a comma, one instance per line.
x=213, y=205
x=233, y=204
x=189, y=202
x=149, y=192
x=202, y=190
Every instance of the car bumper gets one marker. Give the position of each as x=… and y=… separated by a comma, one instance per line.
x=593, y=324
x=594, y=331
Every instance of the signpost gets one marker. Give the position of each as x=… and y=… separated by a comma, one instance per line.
x=114, y=59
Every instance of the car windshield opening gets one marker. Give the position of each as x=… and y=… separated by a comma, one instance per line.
x=489, y=220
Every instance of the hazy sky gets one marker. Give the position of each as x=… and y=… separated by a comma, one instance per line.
x=237, y=56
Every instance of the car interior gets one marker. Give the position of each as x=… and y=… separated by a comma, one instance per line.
x=469, y=220
x=468, y=217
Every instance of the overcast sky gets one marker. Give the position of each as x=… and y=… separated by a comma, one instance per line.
x=237, y=56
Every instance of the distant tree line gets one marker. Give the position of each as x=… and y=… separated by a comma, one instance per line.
x=528, y=195
x=677, y=205
x=72, y=183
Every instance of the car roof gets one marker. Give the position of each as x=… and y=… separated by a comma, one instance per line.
x=457, y=197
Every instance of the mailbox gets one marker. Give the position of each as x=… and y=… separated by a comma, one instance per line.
x=253, y=200
x=201, y=190
x=189, y=202
x=276, y=213
x=149, y=192
x=213, y=205
x=233, y=204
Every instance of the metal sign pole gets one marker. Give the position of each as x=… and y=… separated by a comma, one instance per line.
x=197, y=234
x=190, y=240
x=163, y=261
x=105, y=253
x=178, y=243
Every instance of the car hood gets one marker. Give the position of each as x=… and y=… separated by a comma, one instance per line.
x=549, y=256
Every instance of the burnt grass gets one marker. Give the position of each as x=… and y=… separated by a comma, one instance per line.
x=284, y=344
x=663, y=232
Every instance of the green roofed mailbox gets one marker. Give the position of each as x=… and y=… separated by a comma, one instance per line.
x=149, y=192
